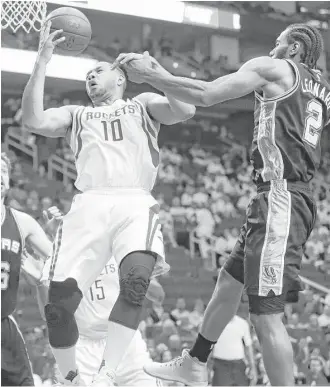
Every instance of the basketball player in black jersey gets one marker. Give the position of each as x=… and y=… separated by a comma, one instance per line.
x=16, y=229
x=292, y=108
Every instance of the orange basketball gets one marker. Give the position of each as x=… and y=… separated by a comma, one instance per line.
x=76, y=29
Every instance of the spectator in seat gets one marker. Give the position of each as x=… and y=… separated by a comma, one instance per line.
x=167, y=223
x=180, y=312
x=168, y=329
x=174, y=344
x=196, y=316
x=316, y=375
x=324, y=319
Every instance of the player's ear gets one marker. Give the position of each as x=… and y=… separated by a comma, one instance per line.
x=121, y=80
x=295, y=48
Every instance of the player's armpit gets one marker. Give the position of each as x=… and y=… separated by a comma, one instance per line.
x=166, y=109
x=55, y=122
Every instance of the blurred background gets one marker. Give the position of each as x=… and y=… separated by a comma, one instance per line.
x=204, y=180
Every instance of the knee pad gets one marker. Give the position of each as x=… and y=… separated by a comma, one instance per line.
x=134, y=284
x=64, y=299
x=266, y=305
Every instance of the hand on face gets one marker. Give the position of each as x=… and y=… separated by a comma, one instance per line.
x=137, y=66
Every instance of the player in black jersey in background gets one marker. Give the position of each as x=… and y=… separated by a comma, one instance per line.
x=16, y=229
x=292, y=108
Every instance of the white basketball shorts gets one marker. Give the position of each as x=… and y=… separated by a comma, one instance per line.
x=89, y=354
x=105, y=223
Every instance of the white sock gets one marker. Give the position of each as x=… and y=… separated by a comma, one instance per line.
x=118, y=340
x=65, y=359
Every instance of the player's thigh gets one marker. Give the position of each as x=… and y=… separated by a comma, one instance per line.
x=234, y=265
x=89, y=354
x=15, y=363
x=81, y=246
x=278, y=225
x=130, y=371
x=141, y=232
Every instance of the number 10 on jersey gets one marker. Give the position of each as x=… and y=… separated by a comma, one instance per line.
x=112, y=130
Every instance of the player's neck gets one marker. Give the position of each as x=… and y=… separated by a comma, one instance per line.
x=106, y=102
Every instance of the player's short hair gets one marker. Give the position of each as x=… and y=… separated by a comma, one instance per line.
x=311, y=39
x=5, y=158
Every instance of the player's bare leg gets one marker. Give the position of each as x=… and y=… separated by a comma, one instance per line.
x=191, y=368
x=134, y=277
x=276, y=348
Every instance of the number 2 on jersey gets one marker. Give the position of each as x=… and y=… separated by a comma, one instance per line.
x=313, y=123
x=116, y=130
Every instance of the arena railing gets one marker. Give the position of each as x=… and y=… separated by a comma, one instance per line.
x=193, y=240
x=18, y=142
x=66, y=168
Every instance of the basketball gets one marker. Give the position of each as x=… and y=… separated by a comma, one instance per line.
x=76, y=29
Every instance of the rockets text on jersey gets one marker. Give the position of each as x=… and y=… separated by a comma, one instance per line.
x=286, y=140
x=94, y=310
x=11, y=258
x=115, y=146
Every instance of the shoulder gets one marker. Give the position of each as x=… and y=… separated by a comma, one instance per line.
x=145, y=98
x=25, y=222
x=270, y=69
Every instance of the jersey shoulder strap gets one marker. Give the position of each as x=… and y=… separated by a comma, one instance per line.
x=76, y=128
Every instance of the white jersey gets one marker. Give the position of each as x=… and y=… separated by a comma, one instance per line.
x=94, y=309
x=115, y=146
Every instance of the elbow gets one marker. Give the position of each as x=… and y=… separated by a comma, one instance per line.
x=188, y=113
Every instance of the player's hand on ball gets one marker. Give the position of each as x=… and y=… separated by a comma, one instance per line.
x=48, y=42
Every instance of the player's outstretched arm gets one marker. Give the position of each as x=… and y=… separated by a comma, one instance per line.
x=52, y=122
x=253, y=75
x=166, y=110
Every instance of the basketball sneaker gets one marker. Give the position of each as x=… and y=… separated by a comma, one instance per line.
x=183, y=369
x=104, y=378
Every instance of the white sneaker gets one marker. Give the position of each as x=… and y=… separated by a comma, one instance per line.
x=183, y=369
x=104, y=378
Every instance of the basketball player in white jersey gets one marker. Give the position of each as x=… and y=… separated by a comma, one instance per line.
x=92, y=317
x=116, y=156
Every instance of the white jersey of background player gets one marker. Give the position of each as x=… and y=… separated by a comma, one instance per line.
x=117, y=156
x=92, y=317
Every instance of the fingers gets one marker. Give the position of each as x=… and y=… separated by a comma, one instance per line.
x=58, y=41
x=52, y=212
x=129, y=57
x=54, y=35
x=119, y=58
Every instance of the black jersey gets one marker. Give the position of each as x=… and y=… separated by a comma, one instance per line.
x=11, y=258
x=286, y=140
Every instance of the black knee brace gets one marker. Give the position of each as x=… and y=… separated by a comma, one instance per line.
x=134, y=285
x=64, y=299
x=135, y=273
